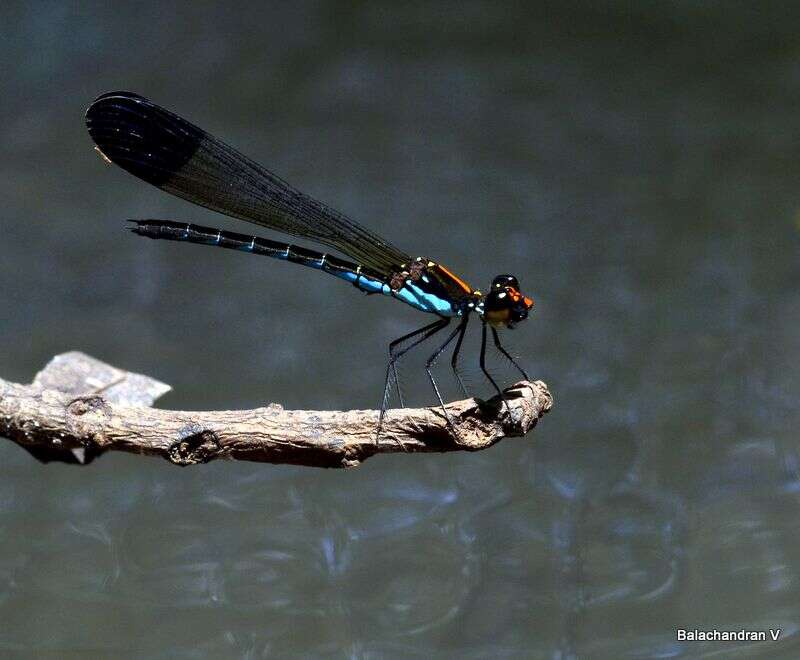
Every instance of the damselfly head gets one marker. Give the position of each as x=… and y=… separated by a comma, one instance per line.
x=504, y=304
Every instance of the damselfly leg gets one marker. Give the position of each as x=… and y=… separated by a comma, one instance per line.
x=395, y=354
x=432, y=360
x=504, y=352
x=484, y=370
x=454, y=360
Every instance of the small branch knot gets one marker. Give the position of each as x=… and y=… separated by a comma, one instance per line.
x=86, y=418
x=87, y=404
x=197, y=447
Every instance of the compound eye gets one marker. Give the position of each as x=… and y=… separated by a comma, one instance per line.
x=503, y=281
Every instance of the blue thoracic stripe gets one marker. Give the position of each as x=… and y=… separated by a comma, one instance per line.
x=362, y=278
x=410, y=294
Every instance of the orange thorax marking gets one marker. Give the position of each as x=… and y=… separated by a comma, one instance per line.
x=461, y=283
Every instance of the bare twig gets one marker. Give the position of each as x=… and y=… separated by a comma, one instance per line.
x=78, y=407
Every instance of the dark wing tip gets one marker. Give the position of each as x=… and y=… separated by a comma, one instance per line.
x=145, y=139
x=131, y=96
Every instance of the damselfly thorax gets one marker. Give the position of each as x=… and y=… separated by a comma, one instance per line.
x=430, y=287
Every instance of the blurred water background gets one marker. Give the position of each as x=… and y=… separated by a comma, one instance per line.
x=636, y=165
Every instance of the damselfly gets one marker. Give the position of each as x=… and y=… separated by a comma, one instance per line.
x=174, y=155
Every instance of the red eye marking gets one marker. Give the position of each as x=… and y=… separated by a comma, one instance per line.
x=516, y=296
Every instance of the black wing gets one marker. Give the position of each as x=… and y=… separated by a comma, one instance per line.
x=171, y=153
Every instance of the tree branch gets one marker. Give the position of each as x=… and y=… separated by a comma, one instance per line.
x=78, y=408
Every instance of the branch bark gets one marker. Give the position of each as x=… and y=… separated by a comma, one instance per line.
x=78, y=407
